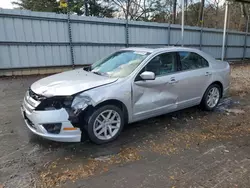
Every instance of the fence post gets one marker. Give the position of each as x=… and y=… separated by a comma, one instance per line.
x=126, y=34
x=226, y=41
x=245, y=40
x=201, y=37
x=126, y=27
x=224, y=31
x=169, y=32
x=70, y=39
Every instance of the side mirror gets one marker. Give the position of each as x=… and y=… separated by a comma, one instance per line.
x=147, y=75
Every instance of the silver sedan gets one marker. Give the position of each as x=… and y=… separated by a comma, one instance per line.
x=130, y=85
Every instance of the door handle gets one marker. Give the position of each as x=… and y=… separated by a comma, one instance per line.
x=208, y=74
x=173, y=81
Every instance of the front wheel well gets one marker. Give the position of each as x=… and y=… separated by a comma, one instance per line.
x=90, y=109
x=117, y=103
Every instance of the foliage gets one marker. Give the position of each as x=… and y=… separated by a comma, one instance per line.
x=41, y=5
x=209, y=14
x=94, y=7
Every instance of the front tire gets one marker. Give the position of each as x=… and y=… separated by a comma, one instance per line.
x=105, y=124
x=211, y=97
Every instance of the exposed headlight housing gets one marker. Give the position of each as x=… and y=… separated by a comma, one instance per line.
x=55, y=103
x=35, y=96
x=80, y=102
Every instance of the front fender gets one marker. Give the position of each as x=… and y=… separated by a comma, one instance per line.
x=118, y=91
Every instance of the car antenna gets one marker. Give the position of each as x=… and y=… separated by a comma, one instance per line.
x=177, y=42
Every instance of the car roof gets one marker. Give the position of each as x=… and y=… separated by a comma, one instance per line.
x=171, y=49
x=155, y=50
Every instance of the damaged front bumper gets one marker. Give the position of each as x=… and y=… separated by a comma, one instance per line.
x=36, y=121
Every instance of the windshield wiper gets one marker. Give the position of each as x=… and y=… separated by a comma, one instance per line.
x=100, y=73
x=88, y=69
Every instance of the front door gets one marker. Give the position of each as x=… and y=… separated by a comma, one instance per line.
x=159, y=96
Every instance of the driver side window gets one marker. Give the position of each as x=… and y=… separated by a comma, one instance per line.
x=162, y=64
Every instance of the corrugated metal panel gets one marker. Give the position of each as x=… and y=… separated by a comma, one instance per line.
x=148, y=35
x=234, y=39
x=19, y=30
x=234, y=53
x=213, y=51
x=37, y=39
x=248, y=40
x=210, y=38
x=33, y=56
x=175, y=36
x=192, y=37
x=86, y=32
x=91, y=54
x=247, y=53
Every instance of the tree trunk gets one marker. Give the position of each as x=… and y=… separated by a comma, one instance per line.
x=127, y=10
x=200, y=19
x=186, y=12
x=243, y=17
x=216, y=15
x=174, y=11
x=86, y=8
x=144, y=9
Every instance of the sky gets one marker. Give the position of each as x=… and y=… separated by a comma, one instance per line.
x=6, y=4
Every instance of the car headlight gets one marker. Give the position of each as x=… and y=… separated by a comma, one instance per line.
x=55, y=103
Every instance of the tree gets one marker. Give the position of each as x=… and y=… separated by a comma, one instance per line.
x=186, y=12
x=207, y=13
x=200, y=18
x=41, y=5
x=244, y=15
x=216, y=12
x=162, y=11
x=193, y=14
x=99, y=9
x=135, y=9
x=88, y=7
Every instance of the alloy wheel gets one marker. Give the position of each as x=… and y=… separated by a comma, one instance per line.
x=213, y=97
x=107, y=124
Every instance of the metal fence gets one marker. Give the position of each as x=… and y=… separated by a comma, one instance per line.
x=37, y=39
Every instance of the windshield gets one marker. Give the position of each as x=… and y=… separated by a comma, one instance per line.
x=119, y=64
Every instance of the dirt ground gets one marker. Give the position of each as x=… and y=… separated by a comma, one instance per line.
x=189, y=148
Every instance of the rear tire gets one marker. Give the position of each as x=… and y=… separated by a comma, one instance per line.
x=211, y=97
x=105, y=124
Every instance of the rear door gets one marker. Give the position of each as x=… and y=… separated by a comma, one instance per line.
x=193, y=78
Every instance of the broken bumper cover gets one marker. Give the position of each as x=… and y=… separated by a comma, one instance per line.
x=35, y=120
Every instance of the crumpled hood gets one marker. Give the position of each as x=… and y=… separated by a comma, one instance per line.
x=69, y=83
